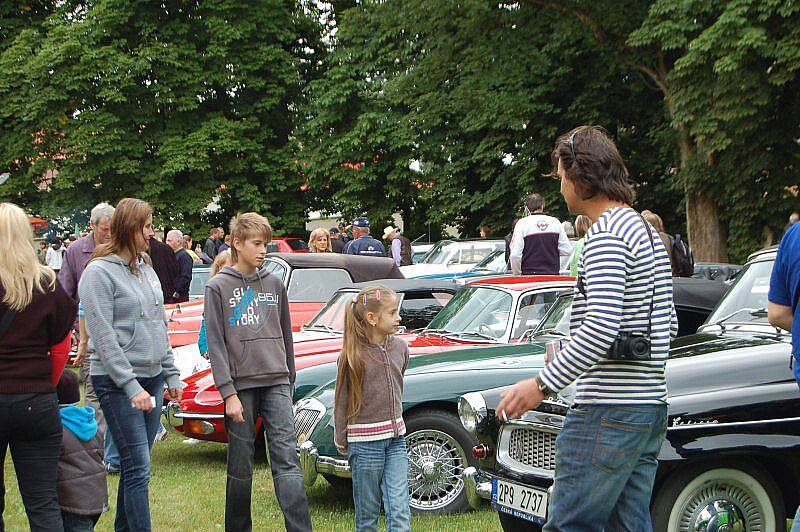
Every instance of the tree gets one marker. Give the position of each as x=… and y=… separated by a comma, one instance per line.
x=727, y=74
x=174, y=102
x=472, y=94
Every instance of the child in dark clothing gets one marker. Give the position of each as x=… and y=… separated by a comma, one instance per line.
x=82, y=490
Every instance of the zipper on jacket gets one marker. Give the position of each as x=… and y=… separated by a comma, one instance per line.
x=395, y=430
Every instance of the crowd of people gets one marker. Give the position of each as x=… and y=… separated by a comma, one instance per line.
x=108, y=297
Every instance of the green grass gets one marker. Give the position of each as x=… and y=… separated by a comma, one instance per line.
x=187, y=492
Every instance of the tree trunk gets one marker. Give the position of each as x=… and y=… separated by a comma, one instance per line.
x=707, y=235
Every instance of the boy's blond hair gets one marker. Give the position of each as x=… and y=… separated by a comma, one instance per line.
x=248, y=225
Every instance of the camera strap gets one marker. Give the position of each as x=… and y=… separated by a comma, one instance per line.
x=653, y=293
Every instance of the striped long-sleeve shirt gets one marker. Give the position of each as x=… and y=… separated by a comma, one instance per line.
x=620, y=274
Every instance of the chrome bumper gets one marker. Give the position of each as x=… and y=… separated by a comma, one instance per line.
x=173, y=412
x=477, y=487
x=313, y=464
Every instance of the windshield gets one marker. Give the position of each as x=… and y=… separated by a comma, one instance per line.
x=749, y=291
x=475, y=309
x=558, y=317
x=494, y=261
x=440, y=253
x=199, y=280
x=332, y=314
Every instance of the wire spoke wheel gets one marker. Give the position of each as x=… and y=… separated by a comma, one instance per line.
x=435, y=463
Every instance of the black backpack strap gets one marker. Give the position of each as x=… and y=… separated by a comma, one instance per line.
x=5, y=322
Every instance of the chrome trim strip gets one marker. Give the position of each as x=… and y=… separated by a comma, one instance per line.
x=734, y=424
x=191, y=415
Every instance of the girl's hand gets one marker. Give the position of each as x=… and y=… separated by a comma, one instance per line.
x=234, y=409
x=142, y=402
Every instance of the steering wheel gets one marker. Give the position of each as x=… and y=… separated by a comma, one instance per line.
x=485, y=329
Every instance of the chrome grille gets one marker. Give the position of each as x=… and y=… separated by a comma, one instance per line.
x=533, y=448
x=528, y=448
x=307, y=414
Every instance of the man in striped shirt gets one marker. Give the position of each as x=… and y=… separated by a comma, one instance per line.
x=606, y=453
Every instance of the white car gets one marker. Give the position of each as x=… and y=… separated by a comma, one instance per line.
x=453, y=256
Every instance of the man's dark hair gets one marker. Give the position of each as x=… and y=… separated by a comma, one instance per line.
x=534, y=202
x=591, y=160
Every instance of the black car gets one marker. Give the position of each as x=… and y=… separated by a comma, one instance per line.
x=731, y=458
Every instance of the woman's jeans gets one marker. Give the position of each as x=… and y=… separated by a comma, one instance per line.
x=133, y=432
x=31, y=425
x=606, y=461
x=274, y=405
x=380, y=472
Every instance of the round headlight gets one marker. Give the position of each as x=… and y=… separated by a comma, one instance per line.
x=471, y=410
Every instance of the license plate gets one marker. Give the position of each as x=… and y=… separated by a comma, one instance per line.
x=520, y=501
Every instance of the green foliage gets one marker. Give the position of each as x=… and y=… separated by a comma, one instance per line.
x=475, y=94
x=174, y=102
x=734, y=84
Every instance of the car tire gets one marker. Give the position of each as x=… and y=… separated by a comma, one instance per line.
x=515, y=524
x=439, y=449
x=752, y=493
x=339, y=482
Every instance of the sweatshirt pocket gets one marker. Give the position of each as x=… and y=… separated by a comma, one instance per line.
x=261, y=356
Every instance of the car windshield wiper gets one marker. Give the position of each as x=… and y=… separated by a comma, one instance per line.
x=552, y=331
x=438, y=332
x=759, y=312
x=473, y=333
x=322, y=326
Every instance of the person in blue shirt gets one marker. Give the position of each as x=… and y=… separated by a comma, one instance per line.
x=782, y=308
x=362, y=243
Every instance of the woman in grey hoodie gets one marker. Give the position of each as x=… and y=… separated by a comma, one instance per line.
x=121, y=296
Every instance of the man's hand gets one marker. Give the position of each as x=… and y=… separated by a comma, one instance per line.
x=142, y=402
x=81, y=353
x=522, y=397
x=176, y=393
x=234, y=409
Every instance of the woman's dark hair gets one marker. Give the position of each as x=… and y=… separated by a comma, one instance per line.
x=590, y=160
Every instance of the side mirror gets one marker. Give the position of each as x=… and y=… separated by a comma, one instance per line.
x=401, y=329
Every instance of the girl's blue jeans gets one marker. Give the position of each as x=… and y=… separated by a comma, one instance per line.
x=380, y=473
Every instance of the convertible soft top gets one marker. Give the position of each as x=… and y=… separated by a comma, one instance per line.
x=360, y=268
x=700, y=294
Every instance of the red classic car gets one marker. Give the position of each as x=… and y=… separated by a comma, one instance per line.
x=310, y=279
x=488, y=311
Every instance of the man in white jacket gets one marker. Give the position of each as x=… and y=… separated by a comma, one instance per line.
x=539, y=241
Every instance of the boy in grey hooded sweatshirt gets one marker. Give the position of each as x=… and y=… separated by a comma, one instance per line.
x=249, y=335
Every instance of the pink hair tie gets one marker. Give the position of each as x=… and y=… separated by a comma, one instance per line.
x=378, y=295
x=364, y=299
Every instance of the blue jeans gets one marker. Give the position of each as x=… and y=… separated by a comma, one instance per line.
x=606, y=461
x=380, y=472
x=133, y=432
x=110, y=452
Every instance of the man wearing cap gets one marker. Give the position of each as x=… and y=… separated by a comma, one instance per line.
x=401, y=246
x=362, y=243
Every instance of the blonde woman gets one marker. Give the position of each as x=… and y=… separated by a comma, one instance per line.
x=320, y=241
x=36, y=317
x=220, y=261
x=582, y=225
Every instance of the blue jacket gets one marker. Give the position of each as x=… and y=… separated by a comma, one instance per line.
x=365, y=246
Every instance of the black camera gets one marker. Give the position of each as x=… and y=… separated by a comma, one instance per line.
x=630, y=345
